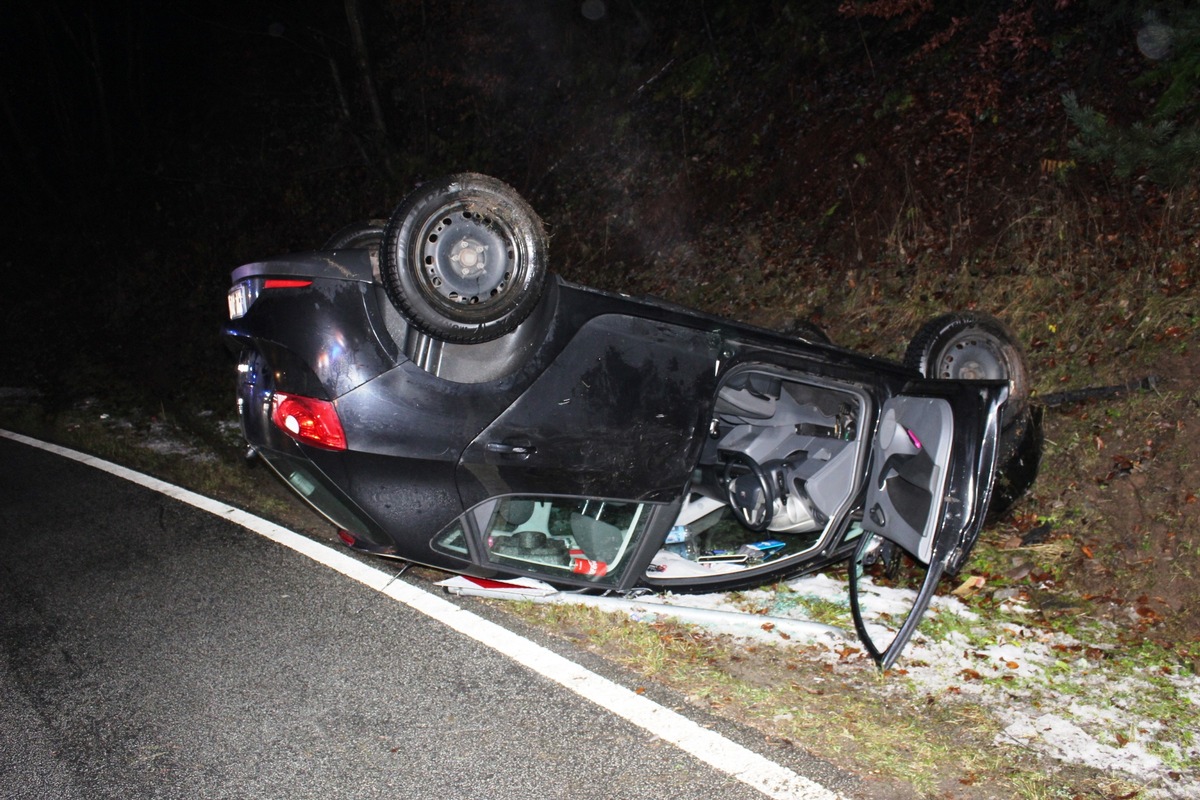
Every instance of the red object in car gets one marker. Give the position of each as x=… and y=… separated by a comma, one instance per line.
x=308, y=420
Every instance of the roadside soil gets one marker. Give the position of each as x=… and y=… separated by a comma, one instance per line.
x=1135, y=554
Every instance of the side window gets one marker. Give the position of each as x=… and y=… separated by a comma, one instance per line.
x=453, y=541
x=559, y=536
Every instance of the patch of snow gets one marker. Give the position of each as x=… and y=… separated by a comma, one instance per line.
x=1048, y=700
x=821, y=587
x=1065, y=740
x=164, y=439
x=152, y=433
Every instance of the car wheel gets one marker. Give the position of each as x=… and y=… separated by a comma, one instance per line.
x=1018, y=459
x=967, y=346
x=971, y=346
x=366, y=234
x=464, y=258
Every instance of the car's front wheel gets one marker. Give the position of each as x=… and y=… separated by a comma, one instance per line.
x=973, y=346
x=464, y=258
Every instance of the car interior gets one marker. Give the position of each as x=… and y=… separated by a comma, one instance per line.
x=584, y=536
x=782, y=460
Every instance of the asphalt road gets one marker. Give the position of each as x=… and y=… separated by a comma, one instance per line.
x=155, y=650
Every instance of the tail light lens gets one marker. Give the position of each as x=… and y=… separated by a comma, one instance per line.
x=308, y=420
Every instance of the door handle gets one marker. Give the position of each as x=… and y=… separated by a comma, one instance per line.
x=507, y=449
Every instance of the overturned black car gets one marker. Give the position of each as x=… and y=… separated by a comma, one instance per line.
x=431, y=388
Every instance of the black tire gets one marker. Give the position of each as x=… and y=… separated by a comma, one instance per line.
x=366, y=234
x=464, y=258
x=1018, y=459
x=969, y=346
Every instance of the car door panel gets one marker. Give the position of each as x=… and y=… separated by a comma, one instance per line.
x=621, y=413
x=932, y=461
x=908, y=472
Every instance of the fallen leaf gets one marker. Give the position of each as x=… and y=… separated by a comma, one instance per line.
x=970, y=586
x=1149, y=615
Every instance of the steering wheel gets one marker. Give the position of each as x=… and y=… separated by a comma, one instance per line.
x=750, y=492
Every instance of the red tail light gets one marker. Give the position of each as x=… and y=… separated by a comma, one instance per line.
x=308, y=420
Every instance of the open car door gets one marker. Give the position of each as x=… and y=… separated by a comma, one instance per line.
x=933, y=459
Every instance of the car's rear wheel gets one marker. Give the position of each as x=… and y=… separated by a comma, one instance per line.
x=464, y=258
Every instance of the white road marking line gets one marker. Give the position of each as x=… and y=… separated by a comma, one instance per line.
x=752, y=769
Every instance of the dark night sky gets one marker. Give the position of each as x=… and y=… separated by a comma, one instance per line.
x=99, y=93
x=127, y=133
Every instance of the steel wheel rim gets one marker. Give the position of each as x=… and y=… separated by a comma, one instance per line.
x=974, y=357
x=466, y=262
